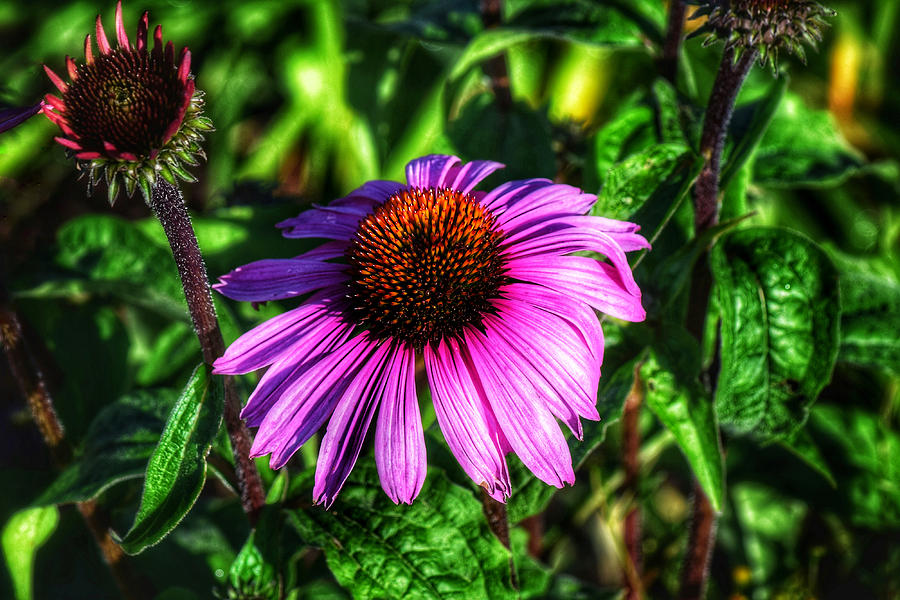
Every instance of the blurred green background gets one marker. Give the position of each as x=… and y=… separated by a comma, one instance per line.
x=310, y=99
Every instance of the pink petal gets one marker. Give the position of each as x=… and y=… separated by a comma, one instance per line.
x=466, y=419
x=350, y=421
x=184, y=68
x=267, y=342
x=429, y=171
x=467, y=176
x=143, y=27
x=399, y=440
x=102, y=42
x=72, y=68
x=88, y=51
x=590, y=281
x=558, y=236
x=279, y=278
x=330, y=222
x=10, y=117
x=305, y=404
x=120, y=27
x=542, y=204
x=376, y=191
x=61, y=85
x=529, y=426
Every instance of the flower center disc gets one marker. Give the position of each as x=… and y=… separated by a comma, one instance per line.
x=127, y=98
x=425, y=264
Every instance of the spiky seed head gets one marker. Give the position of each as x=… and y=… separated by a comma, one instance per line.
x=129, y=114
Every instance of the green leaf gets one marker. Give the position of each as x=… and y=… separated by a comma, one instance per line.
x=487, y=44
x=777, y=294
x=23, y=534
x=804, y=147
x=675, y=396
x=255, y=570
x=870, y=320
x=518, y=137
x=748, y=125
x=107, y=248
x=174, y=347
x=118, y=444
x=804, y=447
x=630, y=183
x=608, y=23
x=177, y=470
x=438, y=547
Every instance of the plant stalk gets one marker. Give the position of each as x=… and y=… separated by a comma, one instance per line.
x=32, y=386
x=495, y=68
x=631, y=442
x=668, y=62
x=167, y=204
x=719, y=110
x=498, y=522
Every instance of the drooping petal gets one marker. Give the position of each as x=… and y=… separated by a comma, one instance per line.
x=399, y=439
x=312, y=346
x=578, y=315
x=279, y=278
x=590, y=281
x=304, y=405
x=466, y=420
x=529, y=426
x=350, y=421
x=561, y=358
x=265, y=343
x=541, y=205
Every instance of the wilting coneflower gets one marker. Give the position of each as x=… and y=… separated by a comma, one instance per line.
x=769, y=26
x=129, y=114
x=483, y=286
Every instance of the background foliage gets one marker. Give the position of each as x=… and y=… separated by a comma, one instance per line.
x=312, y=98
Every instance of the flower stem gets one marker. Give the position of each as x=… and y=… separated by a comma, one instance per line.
x=719, y=110
x=168, y=206
x=729, y=79
x=31, y=383
x=496, y=68
x=668, y=62
x=498, y=522
x=631, y=441
x=695, y=568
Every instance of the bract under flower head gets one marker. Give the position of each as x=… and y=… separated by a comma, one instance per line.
x=483, y=287
x=770, y=26
x=129, y=113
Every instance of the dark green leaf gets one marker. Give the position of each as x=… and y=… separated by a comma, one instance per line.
x=676, y=397
x=518, y=137
x=117, y=446
x=777, y=294
x=749, y=123
x=870, y=320
x=803, y=147
x=610, y=23
x=255, y=570
x=805, y=448
x=177, y=470
x=439, y=547
x=174, y=347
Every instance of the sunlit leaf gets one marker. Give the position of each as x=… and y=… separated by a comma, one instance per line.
x=177, y=470
x=22, y=536
x=777, y=294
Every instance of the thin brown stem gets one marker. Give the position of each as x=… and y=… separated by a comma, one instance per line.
x=498, y=522
x=668, y=62
x=719, y=110
x=168, y=206
x=631, y=442
x=32, y=386
x=495, y=68
x=695, y=568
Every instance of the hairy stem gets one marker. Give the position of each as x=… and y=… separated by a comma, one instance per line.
x=168, y=206
x=631, y=441
x=719, y=110
x=668, y=62
x=498, y=522
x=495, y=68
x=32, y=386
x=695, y=568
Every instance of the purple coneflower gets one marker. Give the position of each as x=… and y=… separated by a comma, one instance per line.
x=129, y=113
x=483, y=286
